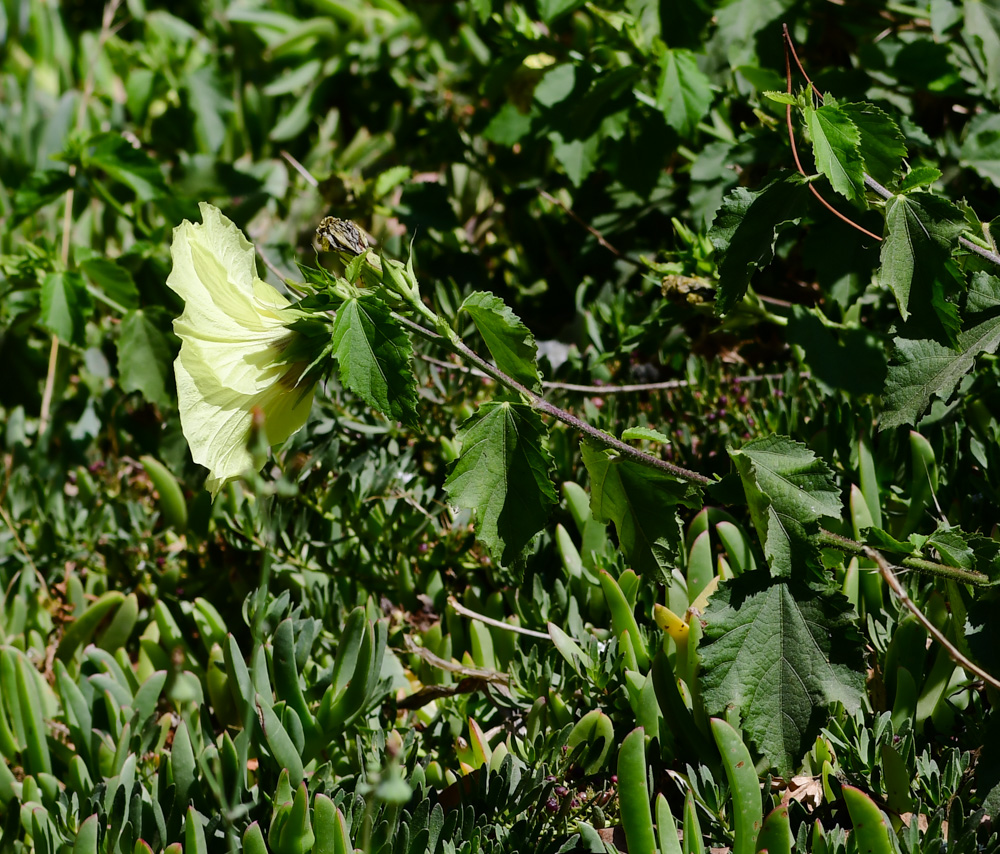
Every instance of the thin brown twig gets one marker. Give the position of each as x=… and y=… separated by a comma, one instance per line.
x=791, y=138
x=298, y=167
x=790, y=46
x=110, y=9
x=600, y=237
x=605, y=390
x=459, y=608
x=897, y=588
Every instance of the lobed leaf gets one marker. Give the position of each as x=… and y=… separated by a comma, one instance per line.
x=921, y=230
x=503, y=476
x=788, y=489
x=778, y=653
x=510, y=342
x=642, y=502
x=373, y=352
x=836, y=140
x=144, y=358
x=745, y=231
x=924, y=368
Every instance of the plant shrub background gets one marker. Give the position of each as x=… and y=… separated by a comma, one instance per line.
x=265, y=671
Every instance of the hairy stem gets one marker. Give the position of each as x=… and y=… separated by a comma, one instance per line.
x=542, y=405
x=929, y=567
x=936, y=633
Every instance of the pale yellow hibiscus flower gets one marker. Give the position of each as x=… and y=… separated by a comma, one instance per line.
x=238, y=350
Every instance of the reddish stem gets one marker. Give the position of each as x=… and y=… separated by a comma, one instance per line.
x=791, y=134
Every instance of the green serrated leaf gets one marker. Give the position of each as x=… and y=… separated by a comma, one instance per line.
x=954, y=546
x=65, y=306
x=923, y=368
x=922, y=176
x=684, y=92
x=510, y=342
x=836, y=144
x=647, y=433
x=390, y=179
x=746, y=228
x=788, y=489
x=882, y=540
x=984, y=292
x=778, y=653
x=503, y=476
x=640, y=501
x=373, y=352
x=921, y=230
x=781, y=97
x=144, y=358
x=881, y=143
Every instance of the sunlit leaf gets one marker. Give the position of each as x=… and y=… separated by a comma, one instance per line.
x=503, y=476
x=835, y=140
x=788, y=489
x=923, y=368
x=641, y=501
x=920, y=230
x=510, y=342
x=65, y=306
x=779, y=654
x=373, y=352
x=684, y=92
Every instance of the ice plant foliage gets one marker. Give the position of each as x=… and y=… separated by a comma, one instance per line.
x=241, y=349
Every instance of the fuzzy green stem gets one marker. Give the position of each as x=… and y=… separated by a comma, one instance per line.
x=954, y=573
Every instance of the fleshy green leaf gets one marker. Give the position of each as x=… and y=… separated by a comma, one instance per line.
x=65, y=305
x=373, y=352
x=510, y=342
x=881, y=144
x=923, y=368
x=920, y=231
x=788, y=489
x=503, y=475
x=685, y=92
x=779, y=653
x=144, y=357
x=836, y=140
x=922, y=176
x=642, y=503
x=745, y=231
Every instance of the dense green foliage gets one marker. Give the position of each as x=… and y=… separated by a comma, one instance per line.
x=623, y=576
